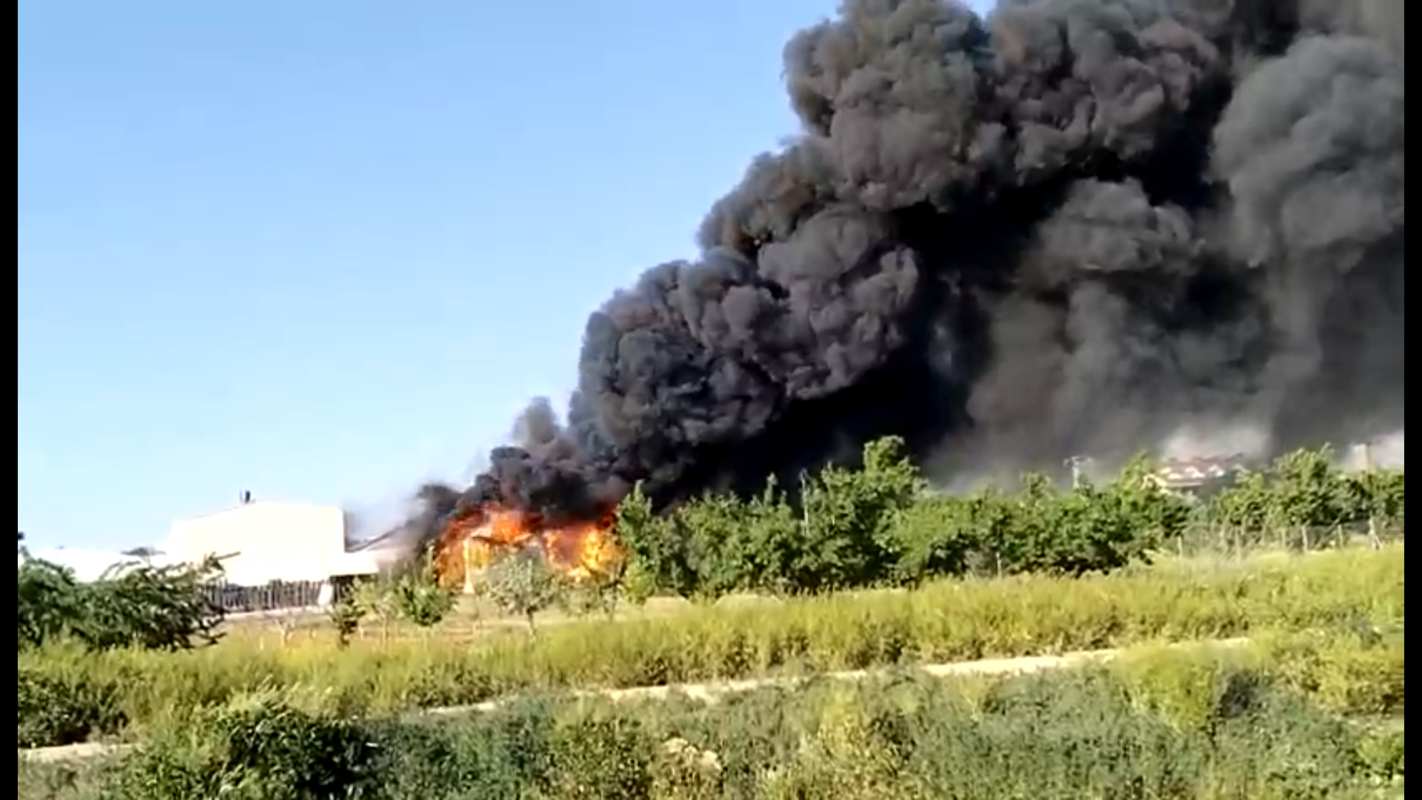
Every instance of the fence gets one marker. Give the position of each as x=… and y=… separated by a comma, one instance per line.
x=275, y=595
x=1199, y=539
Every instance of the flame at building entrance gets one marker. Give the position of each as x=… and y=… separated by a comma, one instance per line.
x=580, y=550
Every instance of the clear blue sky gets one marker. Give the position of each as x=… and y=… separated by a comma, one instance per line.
x=324, y=250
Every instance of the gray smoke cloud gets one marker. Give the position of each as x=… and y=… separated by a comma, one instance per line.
x=1070, y=227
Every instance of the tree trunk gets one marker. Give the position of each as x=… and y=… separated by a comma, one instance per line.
x=1373, y=540
x=1303, y=536
x=532, y=631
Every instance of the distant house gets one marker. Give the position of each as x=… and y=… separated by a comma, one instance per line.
x=1193, y=475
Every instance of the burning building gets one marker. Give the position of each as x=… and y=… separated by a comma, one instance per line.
x=581, y=550
x=1067, y=227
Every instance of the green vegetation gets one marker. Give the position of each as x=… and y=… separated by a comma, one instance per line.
x=345, y=615
x=420, y=598
x=522, y=585
x=879, y=525
x=142, y=606
x=1303, y=501
x=1212, y=724
x=862, y=568
x=938, y=622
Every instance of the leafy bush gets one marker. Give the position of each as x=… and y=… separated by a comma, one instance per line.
x=255, y=748
x=63, y=708
x=345, y=615
x=1079, y=733
x=377, y=597
x=1383, y=753
x=420, y=598
x=846, y=514
x=599, y=757
x=50, y=601
x=159, y=608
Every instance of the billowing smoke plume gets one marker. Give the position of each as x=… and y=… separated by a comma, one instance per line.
x=1073, y=227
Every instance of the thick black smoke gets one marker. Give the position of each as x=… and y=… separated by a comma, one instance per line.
x=1074, y=227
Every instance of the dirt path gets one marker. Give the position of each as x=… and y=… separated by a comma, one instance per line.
x=709, y=692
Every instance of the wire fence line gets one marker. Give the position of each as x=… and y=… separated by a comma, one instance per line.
x=1202, y=539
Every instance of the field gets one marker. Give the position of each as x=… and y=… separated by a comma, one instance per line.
x=1310, y=707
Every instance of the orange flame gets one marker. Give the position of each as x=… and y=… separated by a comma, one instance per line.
x=580, y=550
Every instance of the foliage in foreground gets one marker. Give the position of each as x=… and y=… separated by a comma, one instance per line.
x=131, y=605
x=1226, y=732
x=939, y=622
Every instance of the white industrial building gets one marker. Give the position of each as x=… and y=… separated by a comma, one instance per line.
x=263, y=541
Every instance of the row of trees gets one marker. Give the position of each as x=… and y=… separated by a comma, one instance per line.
x=880, y=524
x=520, y=583
x=1303, y=494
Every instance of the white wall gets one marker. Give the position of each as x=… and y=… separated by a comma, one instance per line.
x=273, y=541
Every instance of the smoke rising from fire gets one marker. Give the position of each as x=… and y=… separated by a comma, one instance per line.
x=1070, y=227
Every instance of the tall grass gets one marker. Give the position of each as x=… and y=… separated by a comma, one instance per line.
x=1210, y=726
x=946, y=621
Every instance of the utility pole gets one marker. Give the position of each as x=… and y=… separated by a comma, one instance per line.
x=1374, y=541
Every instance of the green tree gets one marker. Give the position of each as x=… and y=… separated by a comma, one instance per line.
x=1245, y=508
x=419, y=597
x=1378, y=495
x=345, y=615
x=712, y=530
x=934, y=536
x=660, y=560
x=1309, y=492
x=846, y=517
x=522, y=584
x=378, y=598
x=1155, y=515
x=50, y=601
x=1031, y=526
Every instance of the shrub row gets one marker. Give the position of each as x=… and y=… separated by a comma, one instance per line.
x=1201, y=728
x=947, y=621
x=879, y=524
